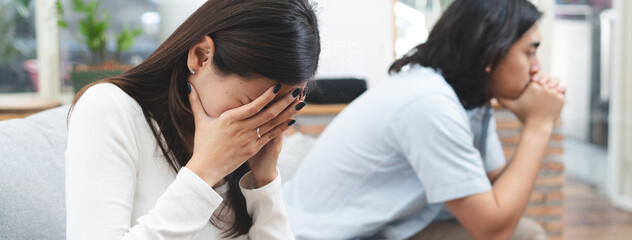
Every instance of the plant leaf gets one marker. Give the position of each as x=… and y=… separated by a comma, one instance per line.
x=62, y=24
x=60, y=7
x=92, y=7
x=83, y=29
x=78, y=6
x=125, y=40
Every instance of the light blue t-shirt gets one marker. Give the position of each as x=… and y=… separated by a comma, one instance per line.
x=386, y=164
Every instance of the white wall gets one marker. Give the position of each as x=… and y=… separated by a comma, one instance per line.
x=572, y=64
x=356, y=35
x=620, y=150
x=356, y=38
x=173, y=13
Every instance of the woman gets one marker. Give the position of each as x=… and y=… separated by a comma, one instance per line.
x=185, y=145
x=388, y=164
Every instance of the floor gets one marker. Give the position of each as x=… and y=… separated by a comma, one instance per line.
x=588, y=214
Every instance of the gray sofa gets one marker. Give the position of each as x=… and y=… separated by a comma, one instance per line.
x=32, y=197
x=32, y=176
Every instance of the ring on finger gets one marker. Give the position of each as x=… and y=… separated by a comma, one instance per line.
x=258, y=133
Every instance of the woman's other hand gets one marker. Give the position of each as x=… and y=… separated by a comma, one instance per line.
x=223, y=144
x=263, y=164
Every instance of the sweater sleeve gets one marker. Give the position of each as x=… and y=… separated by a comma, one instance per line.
x=265, y=206
x=101, y=168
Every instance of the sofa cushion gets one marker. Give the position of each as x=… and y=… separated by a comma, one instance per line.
x=32, y=168
x=295, y=149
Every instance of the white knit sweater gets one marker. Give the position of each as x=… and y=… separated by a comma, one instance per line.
x=120, y=186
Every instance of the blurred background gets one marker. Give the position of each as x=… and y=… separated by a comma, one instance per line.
x=587, y=43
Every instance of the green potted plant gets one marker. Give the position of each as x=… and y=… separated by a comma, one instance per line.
x=93, y=29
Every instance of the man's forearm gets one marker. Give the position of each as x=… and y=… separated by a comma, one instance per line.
x=513, y=187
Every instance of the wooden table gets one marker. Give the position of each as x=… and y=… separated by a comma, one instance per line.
x=24, y=108
x=321, y=109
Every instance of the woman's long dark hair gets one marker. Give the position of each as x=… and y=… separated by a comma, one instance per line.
x=276, y=39
x=469, y=36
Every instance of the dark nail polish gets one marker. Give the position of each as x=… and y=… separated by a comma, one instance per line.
x=296, y=92
x=299, y=106
x=291, y=122
x=188, y=88
x=276, y=89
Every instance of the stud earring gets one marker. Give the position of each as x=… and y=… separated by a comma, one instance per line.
x=192, y=72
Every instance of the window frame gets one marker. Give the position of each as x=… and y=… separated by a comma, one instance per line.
x=48, y=57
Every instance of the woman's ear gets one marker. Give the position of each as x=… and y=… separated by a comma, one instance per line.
x=201, y=54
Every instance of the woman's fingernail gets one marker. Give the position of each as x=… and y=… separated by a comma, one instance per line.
x=188, y=88
x=291, y=122
x=276, y=89
x=299, y=106
x=296, y=92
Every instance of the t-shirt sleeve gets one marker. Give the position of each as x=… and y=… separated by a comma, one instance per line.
x=494, y=157
x=433, y=134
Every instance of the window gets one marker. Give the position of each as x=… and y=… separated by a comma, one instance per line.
x=18, y=65
x=118, y=14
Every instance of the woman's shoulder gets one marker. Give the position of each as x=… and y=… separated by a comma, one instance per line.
x=106, y=92
x=107, y=102
x=108, y=97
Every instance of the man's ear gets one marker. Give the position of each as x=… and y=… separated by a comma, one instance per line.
x=200, y=54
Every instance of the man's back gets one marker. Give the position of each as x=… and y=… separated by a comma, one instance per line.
x=360, y=180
